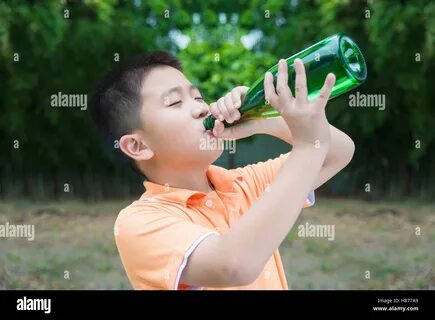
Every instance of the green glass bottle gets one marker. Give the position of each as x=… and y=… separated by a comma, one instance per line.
x=337, y=54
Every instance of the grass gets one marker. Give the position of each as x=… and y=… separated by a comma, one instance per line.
x=74, y=246
x=376, y=237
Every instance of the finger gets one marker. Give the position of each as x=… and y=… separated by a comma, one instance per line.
x=223, y=110
x=301, y=82
x=269, y=90
x=326, y=90
x=229, y=104
x=215, y=111
x=243, y=91
x=218, y=128
x=239, y=131
x=282, y=81
x=236, y=96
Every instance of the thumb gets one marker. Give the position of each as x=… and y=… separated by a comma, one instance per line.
x=238, y=131
x=219, y=130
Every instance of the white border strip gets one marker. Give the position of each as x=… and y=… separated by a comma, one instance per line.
x=186, y=258
x=311, y=198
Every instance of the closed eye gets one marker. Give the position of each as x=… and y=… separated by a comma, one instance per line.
x=174, y=103
x=178, y=102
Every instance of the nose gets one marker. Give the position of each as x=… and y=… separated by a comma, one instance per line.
x=200, y=110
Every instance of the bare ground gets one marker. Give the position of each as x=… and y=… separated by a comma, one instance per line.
x=74, y=246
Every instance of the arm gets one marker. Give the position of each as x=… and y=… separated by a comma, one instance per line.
x=340, y=151
x=341, y=148
x=230, y=259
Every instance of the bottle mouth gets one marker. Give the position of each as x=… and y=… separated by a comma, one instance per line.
x=353, y=59
x=208, y=122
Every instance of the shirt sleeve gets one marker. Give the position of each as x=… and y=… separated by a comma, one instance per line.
x=155, y=246
x=260, y=175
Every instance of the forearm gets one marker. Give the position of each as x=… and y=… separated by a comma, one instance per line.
x=341, y=146
x=254, y=238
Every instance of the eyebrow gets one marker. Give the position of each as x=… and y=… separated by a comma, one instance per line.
x=177, y=88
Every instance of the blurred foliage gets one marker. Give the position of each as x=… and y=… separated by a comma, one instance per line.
x=66, y=46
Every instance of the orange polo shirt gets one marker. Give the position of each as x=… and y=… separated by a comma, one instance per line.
x=156, y=234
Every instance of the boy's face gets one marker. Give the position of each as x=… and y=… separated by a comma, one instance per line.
x=172, y=117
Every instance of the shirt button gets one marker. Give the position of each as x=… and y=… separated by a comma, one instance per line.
x=209, y=203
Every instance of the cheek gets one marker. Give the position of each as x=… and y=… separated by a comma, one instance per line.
x=177, y=135
x=174, y=136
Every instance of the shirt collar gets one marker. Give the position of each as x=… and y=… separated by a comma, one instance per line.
x=221, y=178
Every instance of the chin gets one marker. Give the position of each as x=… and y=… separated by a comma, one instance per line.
x=214, y=155
x=208, y=155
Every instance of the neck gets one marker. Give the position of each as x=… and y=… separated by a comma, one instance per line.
x=184, y=179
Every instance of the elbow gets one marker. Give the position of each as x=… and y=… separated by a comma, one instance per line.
x=346, y=152
x=341, y=154
x=239, y=273
x=220, y=264
x=350, y=150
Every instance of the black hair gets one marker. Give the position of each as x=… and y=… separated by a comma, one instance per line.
x=116, y=101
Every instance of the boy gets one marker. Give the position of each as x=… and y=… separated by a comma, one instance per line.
x=200, y=226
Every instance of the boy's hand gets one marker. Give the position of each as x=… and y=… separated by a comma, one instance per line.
x=226, y=109
x=305, y=119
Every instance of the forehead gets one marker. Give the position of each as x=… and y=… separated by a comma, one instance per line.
x=161, y=79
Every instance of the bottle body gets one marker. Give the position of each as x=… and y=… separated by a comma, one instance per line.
x=337, y=54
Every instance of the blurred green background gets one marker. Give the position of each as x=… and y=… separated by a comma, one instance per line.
x=48, y=47
x=69, y=55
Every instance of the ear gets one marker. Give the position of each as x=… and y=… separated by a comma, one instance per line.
x=134, y=146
